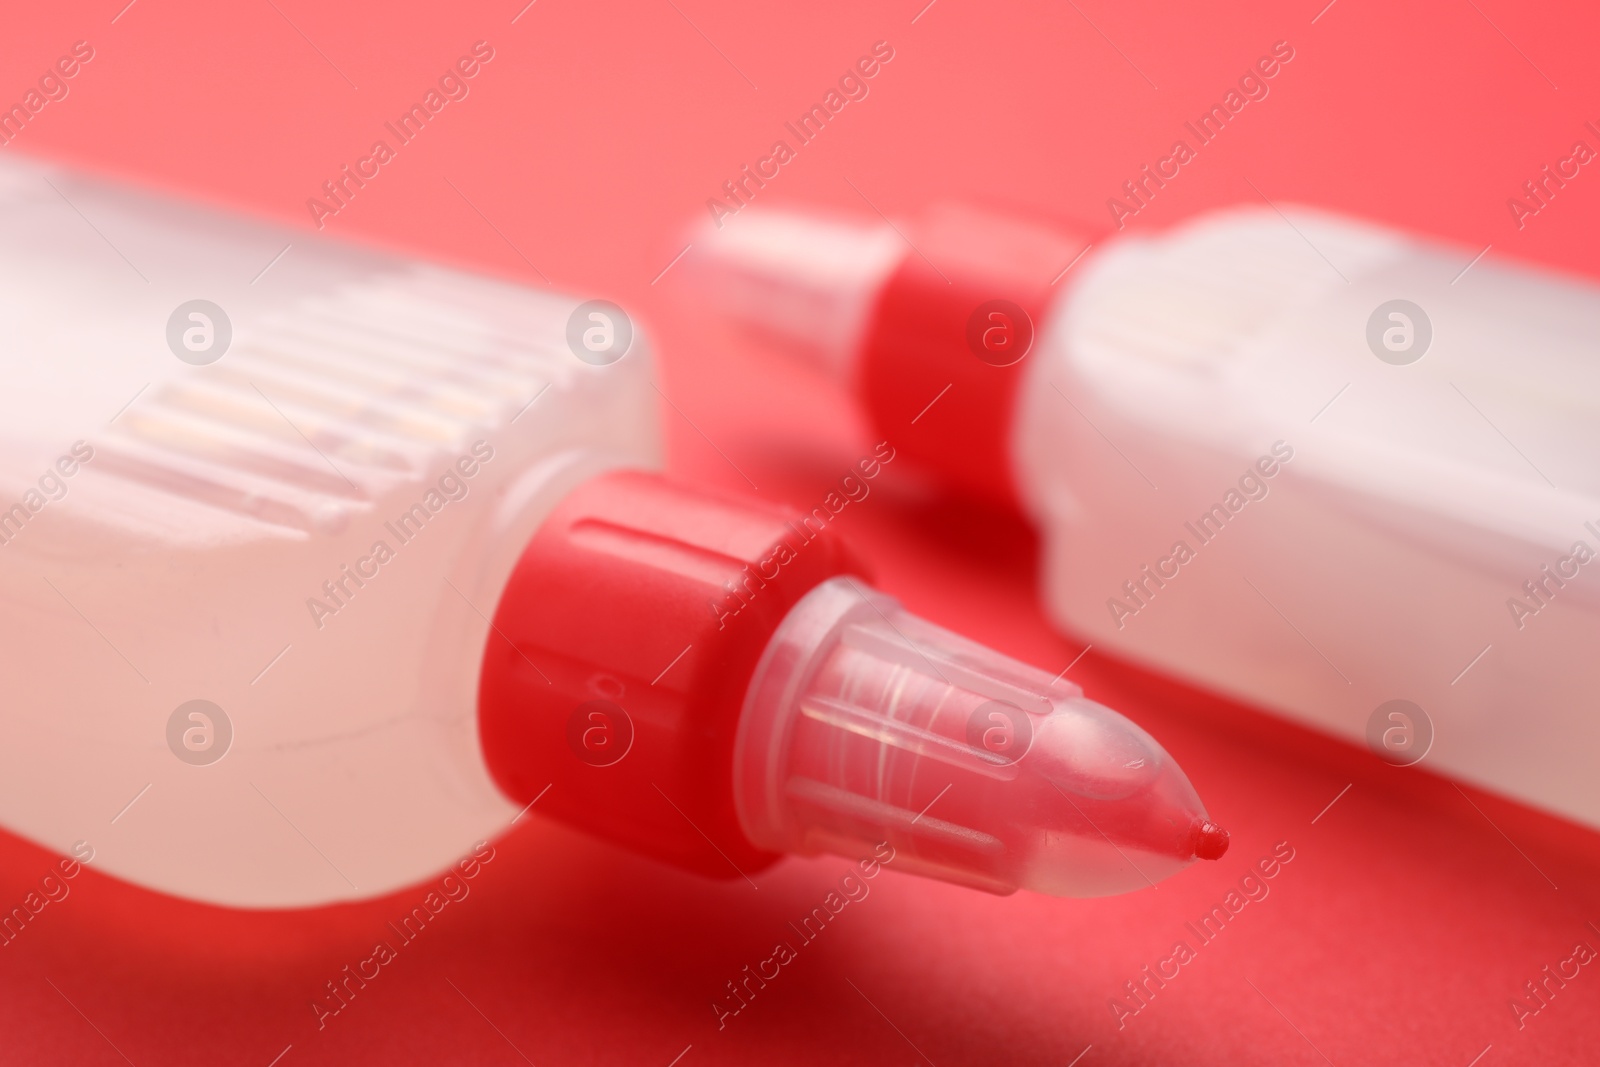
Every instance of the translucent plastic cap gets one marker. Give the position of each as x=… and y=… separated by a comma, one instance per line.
x=801, y=282
x=864, y=724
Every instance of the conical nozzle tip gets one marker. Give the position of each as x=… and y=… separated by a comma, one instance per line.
x=1210, y=840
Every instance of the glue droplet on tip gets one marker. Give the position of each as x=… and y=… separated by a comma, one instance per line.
x=1210, y=841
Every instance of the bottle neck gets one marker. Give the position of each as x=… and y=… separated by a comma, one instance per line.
x=705, y=680
x=950, y=338
x=931, y=323
x=620, y=654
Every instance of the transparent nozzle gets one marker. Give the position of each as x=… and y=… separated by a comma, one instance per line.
x=799, y=282
x=864, y=723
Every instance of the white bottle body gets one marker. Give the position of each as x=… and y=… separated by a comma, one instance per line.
x=185, y=559
x=1383, y=559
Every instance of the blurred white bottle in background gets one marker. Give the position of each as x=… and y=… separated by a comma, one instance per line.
x=1312, y=463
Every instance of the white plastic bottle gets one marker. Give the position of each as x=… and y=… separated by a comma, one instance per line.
x=1313, y=463
x=318, y=566
x=209, y=504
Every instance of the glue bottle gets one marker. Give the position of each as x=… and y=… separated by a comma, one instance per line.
x=1337, y=471
x=319, y=566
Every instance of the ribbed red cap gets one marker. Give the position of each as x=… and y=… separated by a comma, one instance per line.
x=621, y=651
x=952, y=332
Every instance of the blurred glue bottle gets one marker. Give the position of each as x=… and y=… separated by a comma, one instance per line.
x=1334, y=470
x=318, y=565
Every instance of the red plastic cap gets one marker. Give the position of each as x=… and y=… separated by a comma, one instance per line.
x=950, y=337
x=620, y=655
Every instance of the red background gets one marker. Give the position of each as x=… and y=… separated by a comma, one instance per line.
x=1407, y=919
